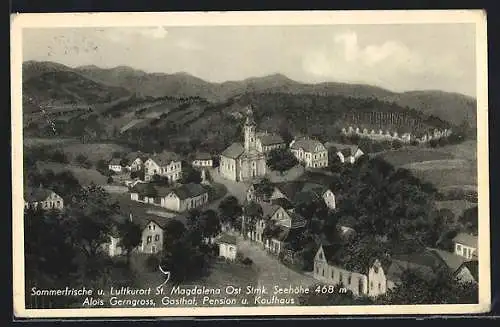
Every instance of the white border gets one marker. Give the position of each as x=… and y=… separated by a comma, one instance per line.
x=20, y=21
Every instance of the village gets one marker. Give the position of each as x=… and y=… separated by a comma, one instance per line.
x=270, y=228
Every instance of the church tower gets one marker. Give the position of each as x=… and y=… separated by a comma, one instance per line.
x=249, y=130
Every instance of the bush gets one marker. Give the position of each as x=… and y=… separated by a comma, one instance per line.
x=247, y=261
x=110, y=180
x=152, y=263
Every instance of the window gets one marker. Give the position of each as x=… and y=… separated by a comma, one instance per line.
x=149, y=239
x=317, y=270
x=379, y=286
x=333, y=274
x=154, y=227
x=323, y=272
x=157, y=237
x=320, y=256
x=371, y=285
x=149, y=227
x=340, y=276
x=349, y=280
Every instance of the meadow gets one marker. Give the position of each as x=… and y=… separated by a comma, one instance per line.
x=83, y=175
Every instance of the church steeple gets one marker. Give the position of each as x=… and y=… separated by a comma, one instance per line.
x=249, y=130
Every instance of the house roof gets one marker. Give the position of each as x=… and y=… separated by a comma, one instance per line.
x=190, y=190
x=289, y=189
x=282, y=202
x=165, y=158
x=285, y=235
x=315, y=188
x=202, y=156
x=331, y=251
x=226, y=238
x=234, y=151
x=473, y=267
x=268, y=209
x=115, y=161
x=268, y=139
x=451, y=260
x=427, y=263
x=32, y=194
x=309, y=145
x=466, y=239
x=137, y=154
x=297, y=220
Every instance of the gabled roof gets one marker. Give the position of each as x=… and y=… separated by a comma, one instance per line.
x=115, y=161
x=451, y=260
x=466, y=239
x=309, y=145
x=165, y=158
x=227, y=239
x=269, y=139
x=426, y=263
x=36, y=194
x=297, y=220
x=282, y=202
x=315, y=188
x=289, y=189
x=268, y=209
x=190, y=190
x=202, y=156
x=233, y=151
x=137, y=154
x=331, y=251
x=473, y=267
x=284, y=234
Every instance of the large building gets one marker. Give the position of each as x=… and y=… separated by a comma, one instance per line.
x=311, y=153
x=166, y=164
x=243, y=162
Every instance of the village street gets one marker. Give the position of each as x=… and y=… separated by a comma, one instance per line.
x=236, y=189
x=271, y=271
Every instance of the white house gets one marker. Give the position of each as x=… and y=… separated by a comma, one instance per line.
x=350, y=154
x=165, y=164
x=267, y=142
x=202, y=160
x=137, y=160
x=465, y=245
x=227, y=246
x=311, y=153
x=185, y=197
x=115, y=165
x=42, y=198
x=152, y=238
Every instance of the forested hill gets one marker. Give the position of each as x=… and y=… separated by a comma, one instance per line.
x=451, y=107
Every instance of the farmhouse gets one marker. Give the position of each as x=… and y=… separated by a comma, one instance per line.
x=115, y=165
x=267, y=142
x=350, y=154
x=244, y=162
x=458, y=266
x=167, y=164
x=42, y=198
x=320, y=192
x=137, y=160
x=311, y=153
x=185, y=197
x=152, y=238
x=227, y=246
x=202, y=160
x=465, y=245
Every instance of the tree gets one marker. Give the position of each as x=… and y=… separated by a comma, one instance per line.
x=230, y=210
x=124, y=162
x=210, y=223
x=264, y=189
x=190, y=175
x=83, y=161
x=281, y=160
x=130, y=237
x=251, y=212
x=469, y=220
x=137, y=174
x=160, y=180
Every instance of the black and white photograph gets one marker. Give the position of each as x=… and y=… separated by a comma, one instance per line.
x=272, y=163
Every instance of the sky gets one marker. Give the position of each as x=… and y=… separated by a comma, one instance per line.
x=396, y=57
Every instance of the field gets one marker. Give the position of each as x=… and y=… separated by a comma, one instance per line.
x=93, y=151
x=29, y=142
x=84, y=176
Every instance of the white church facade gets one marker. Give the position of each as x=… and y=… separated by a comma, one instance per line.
x=244, y=162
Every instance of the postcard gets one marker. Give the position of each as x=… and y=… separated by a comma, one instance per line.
x=250, y=163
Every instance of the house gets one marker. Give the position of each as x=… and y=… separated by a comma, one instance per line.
x=377, y=280
x=115, y=165
x=311, y=153
x=468, y=272
x=137, y=160
x=292, y=191
x=424, y=263
x=227, y=246
x=287, y=226
x=167, y=164
x=148, y=193
x=244, y=162
x=327, y=270
x=463, y=269
x=42, y=198
x=202, y=160
x=350, y=154
x=151, y=238
x=322, y=192
x=267, y=142
x=113, y=247
x=185, y=197
x=465, y=245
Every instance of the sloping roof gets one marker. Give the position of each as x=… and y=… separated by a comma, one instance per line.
x=268, y=209
x=473, y=267
x=289, y=189
x=268, y=139
x=115, y=161
x=309, y=145
x=330, y=251
x=318, y=189
x=426, y=263
x=297, y=220
x=165, y=158
x=190, y=190
x=282, y=202
x=137, y=154
x=226, y=238
x=466, y=239
x=234, y=151
x=36, y=194
x=451, y=260
x=202, y=156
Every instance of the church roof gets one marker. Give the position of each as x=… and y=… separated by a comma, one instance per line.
x=234, y=151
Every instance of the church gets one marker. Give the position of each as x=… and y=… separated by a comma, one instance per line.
x=244, y=162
